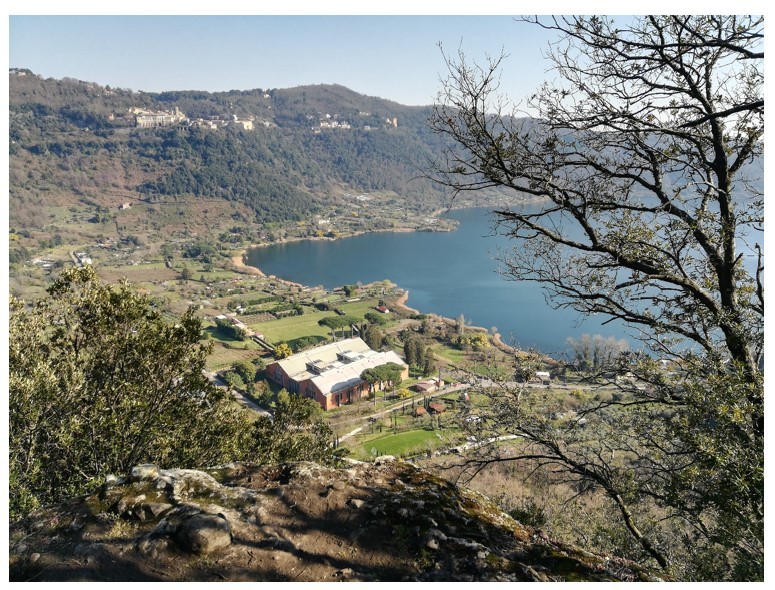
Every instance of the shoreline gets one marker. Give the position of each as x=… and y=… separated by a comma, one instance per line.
x=496, y=339
x=239, y=262
x=401, y=303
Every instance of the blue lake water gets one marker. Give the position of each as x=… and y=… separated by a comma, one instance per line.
x=447, y=273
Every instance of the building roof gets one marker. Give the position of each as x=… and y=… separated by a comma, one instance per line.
x=348, y=375
x=424, y=386
x=298, y=365
x=336, y=366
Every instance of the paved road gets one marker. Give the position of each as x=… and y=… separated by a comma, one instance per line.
x=238, y=395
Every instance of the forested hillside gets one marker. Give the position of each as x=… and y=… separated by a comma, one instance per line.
x=74, y=141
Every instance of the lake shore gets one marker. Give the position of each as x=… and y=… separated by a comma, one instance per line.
x=496, y=339
x=432, y=286
x=401, y=303
x=239, y=262
x=238, y=259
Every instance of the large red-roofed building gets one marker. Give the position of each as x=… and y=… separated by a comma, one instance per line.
x=331, y=374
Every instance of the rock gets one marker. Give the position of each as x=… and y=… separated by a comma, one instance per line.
x=437, y=534
x=93, y=553
x=164, y=527
x=461, y=536
x=164, y=483
x=156, y=508
x=114, y=480
x=204, y=533
x=384, y=459
x=146, y=471
x=128, y=505
x=344, y=573
x=152, y=546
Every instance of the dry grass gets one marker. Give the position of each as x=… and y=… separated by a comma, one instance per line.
x=137, y=274
x=222, y=357
x=545, y=500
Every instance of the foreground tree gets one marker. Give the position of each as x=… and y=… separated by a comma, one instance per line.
x=373, y=337
x=298, y=431
x=99, y=381
x=642, y=166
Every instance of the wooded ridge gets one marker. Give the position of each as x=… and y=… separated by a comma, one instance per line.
x=282, y=153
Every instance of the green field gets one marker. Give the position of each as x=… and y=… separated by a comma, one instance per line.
x=404, y=443
x=294, y=327
x=224, y=358
x=452, y=355
x=360, y=308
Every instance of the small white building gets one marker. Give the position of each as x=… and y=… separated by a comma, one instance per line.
x=544, y=377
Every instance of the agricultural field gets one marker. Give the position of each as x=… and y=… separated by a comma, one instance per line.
x=292, y=328
x=224, y=358
x=137, y=274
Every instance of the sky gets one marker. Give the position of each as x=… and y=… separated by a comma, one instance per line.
x=392, y=53
x=393, y=57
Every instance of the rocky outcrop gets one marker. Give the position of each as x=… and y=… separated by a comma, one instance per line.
x=297, y=522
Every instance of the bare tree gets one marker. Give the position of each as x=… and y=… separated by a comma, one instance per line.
x=640, y=169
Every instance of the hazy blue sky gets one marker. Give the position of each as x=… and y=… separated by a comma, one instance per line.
x=394, y=57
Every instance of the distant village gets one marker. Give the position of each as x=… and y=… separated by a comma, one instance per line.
x=147, y=119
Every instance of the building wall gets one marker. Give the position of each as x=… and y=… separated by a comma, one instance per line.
x=340, y=398
x=276, y=375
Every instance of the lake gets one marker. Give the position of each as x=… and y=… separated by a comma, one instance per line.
x=447, y=273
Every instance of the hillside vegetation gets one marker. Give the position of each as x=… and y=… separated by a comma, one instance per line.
x=75, y=142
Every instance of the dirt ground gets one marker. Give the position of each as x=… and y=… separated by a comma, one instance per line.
x=298, y=522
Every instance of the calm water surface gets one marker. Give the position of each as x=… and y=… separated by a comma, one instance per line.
x=445, y=273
